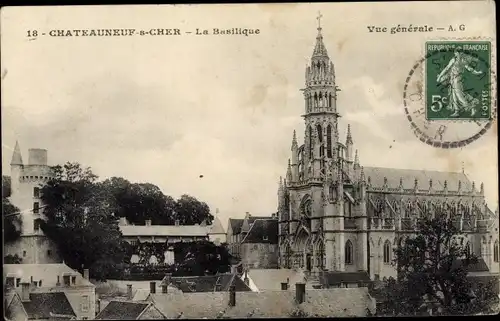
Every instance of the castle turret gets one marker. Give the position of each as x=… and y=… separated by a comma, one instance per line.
x=27, y=180
x=16, y=167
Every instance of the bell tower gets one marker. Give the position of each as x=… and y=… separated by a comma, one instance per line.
x=320, y=97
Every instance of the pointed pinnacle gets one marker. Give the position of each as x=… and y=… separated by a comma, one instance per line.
x=362, y=174
x=356, y=157
x=349, y=136
x=17, y=159
x=294, y=139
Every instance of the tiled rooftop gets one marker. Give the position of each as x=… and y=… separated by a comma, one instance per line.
x=122, y=310
x=42, y=305
x=277, y=304
x=47, y=273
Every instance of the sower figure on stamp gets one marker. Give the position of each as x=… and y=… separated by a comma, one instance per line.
x=453, y=77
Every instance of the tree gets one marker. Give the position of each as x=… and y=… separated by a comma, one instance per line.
x=201, y=258
x=432, y=270
x=5, y=186
x=12, y=259
x=79, y=219
x=190, y=211
x=11, y=220
x=139, y=202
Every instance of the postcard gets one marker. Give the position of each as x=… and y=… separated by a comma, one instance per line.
x=250, y=160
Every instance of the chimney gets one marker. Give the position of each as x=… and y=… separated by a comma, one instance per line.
x=245, y=279
x=25, y=291
x=233, y=269
x=232, y=296
x=86, y=274
x=98, y=306
x=177, y=223
x=284, y=286
x=152, y=287
x=129, y=292
x=148, y=222
x=300, y=292
x=123, y=221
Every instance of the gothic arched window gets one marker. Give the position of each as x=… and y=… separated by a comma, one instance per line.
x=495, y=251
x=348, y=252
x=387, y=252
x=310, y=142
x=329, y=141
x=306, y=209
x=409, y=209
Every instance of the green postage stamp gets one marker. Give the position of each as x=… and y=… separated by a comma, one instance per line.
x=458, y=80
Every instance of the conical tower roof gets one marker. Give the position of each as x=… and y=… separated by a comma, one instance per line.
x=17, y=159
x=216, y=227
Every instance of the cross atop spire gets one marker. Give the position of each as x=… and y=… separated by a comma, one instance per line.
x=319, y=20
x=319, y=49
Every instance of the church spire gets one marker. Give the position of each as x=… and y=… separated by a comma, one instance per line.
x=319, y=49
x=349, y=135
x=17, y=159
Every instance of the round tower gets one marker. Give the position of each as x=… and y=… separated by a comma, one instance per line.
x=27, y=181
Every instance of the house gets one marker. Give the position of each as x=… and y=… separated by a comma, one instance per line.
x=254, y=240
x=38, y=306
x=207, y=283
x=44, y=279
x=130, y=310
x=354, y=302
x=344, y=279
x=159, y=239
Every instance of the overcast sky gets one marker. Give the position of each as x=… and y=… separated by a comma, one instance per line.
x=166, y=110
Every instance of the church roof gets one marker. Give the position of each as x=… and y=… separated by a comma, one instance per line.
x=17, y=159
x=216, y=227
x=408, y=176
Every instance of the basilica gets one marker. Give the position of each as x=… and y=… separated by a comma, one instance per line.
x=337, y=215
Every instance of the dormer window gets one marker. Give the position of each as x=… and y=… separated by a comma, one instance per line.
x=66, y=280
x=10, y=282
x=73, y=280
